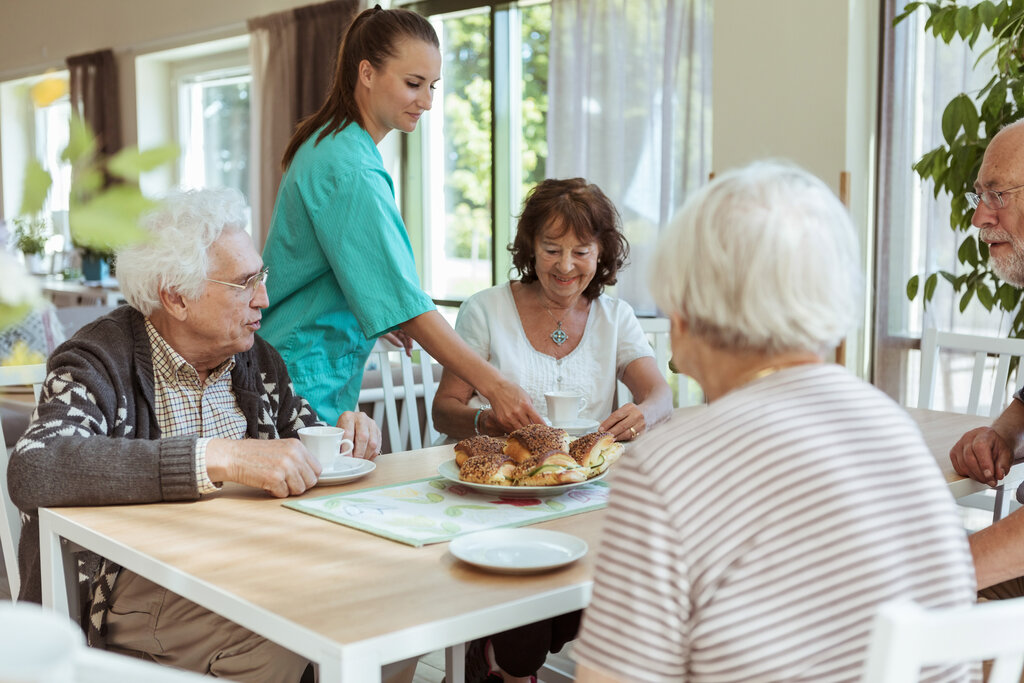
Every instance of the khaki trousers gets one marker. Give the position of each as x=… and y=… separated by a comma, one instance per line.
x=153, y=623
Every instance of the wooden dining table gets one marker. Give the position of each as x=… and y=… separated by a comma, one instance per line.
x=346, y=599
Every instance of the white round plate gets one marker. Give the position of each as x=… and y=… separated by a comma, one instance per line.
x=450, y=471
x=346, y=469
x=518, y=551
x=579, y=426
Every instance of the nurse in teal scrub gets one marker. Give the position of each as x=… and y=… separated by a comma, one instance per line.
x=343, y=269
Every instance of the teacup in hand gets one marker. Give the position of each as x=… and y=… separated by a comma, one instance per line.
x=326, y=444
x=564, y=406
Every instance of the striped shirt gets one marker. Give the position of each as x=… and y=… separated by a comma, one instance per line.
x=754, y=540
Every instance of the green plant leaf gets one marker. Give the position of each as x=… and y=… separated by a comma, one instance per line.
x=986, y=12
x=1007, y=295
x=969, y=116
x=110, y=219
x=929, y=287
x=37, y=185
x=985, y=296
x=912, y=285
x=130, y=163
x=87, y=182
x=966, y=299
x=81, y=142
x=968, y=251
x=951, y=122
x=995, y=101
x=964, y=22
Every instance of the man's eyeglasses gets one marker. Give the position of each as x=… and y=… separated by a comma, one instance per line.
x=250, y=285
x=992, y=198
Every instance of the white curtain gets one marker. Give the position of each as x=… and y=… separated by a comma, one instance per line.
x=921, y=74
x=630, y=110
x=272, y=53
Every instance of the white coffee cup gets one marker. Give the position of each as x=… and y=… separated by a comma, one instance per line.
x=37, y=646
x=564, y=406
x=326, y=444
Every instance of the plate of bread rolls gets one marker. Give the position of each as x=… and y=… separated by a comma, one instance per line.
x=536, y=460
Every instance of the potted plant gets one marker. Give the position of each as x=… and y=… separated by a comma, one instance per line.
x=968, y=125
x=30, y=235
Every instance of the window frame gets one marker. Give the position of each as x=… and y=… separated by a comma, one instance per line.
x=505, y=75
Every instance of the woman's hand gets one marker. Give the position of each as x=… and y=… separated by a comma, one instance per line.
x=626, y=423
x=512, y=407
x=399, y=339
x=364, y=433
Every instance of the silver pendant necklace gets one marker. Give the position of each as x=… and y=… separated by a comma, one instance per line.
x=558, y=335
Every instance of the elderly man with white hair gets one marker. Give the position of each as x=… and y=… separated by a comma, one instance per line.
x=753, y=539
x=162, y=400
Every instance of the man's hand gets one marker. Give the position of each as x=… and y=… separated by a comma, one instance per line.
x=983, y=455
x=364, y=433
x=281, y=467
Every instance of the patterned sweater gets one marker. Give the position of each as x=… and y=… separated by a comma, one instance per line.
x=94, y=438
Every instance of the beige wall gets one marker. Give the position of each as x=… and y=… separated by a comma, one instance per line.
x=797, y=80
x=40, y=33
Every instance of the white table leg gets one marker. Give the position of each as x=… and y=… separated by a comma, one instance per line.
x=54, y=568
x=455, y=662
x=351, y=669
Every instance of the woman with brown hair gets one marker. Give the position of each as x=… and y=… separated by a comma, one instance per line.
x=343, y=269
x=554, y=329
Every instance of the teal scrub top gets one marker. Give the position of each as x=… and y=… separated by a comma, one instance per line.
x=342, y=271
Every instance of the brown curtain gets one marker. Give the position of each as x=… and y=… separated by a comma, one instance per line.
x=293, y=55
x=319, y=30
x=95, y=97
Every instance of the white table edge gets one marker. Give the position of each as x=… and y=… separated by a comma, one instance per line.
x=359, y=661
x=56, y=566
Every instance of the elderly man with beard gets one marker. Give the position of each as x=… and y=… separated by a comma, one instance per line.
x=985, y=454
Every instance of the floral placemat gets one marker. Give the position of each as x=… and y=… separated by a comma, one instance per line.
x=436, y=510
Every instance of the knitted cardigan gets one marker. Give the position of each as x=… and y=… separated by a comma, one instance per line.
x=94, y=439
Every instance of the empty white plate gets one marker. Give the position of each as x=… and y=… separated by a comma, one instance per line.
x=346, y=469
x=518, y=551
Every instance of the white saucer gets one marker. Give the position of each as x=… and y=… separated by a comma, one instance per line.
x=346, y=469
x=518, y=551
x=579, y=426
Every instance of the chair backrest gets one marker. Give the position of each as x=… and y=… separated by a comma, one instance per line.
x=906, y=637
x=10, y=518
x=683, y=388
x=398, y=418
x=982, y=347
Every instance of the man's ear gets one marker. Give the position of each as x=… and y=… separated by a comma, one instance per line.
x=174, y=304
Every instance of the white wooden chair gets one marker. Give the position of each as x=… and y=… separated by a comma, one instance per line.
x=402, y=426
x=906, y=636
x=10, y=517
x=657, y=331
x=932, y=342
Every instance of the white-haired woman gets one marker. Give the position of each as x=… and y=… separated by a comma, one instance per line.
x=754, y=539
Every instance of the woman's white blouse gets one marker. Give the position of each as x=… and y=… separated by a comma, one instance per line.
x=612, y=339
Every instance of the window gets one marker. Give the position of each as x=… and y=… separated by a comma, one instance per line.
x=197, y=96
x=28, y=131
x=922, y=75
x=213, y=129
x=482, y=146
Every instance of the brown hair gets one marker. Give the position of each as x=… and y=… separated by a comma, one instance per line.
x=574, y=205
x=373, y=36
